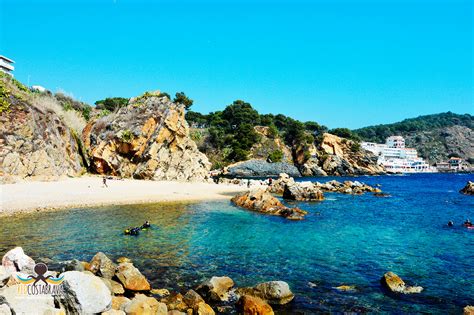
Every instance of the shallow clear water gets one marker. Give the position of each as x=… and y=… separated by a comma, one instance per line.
x=345, y=239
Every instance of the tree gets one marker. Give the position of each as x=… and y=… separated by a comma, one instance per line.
x=111, y=103
x=240, y=112
x=345, y=133
x=181, y=98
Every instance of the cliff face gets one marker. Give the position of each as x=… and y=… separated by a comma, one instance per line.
x=147, y=139
x=436, y=145
x=35, y=142
x=338, y=156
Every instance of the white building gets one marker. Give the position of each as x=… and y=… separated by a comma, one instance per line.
x=395, y=157
x=6, y=65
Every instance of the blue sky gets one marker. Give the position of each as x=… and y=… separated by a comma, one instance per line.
x=341, y=63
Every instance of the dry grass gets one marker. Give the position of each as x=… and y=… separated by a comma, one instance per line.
x=71, y=118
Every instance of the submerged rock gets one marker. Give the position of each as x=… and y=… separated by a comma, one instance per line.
x=345, y=288
x=216, y=289
x=131, y=278
x=273, y=292
x=396, y=285
x=468, y=189
x=253, y=305
x=260, y=168
x=16, y=260
x=262, y=201
x=84, y=293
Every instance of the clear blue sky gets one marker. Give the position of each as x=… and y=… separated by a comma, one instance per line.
x=341, y=63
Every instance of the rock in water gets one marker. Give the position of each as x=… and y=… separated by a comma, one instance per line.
x=278, y=186
x=396, y=285
x=16, y=260
x=102, y=266
x=260, y=168
x=468, y=189
x=469, y=310
x=303, y=191
x=262, y=201
x=148, y=139
x=216, y=288
x=84, y=294
x=131, y=278
x=274, y=292
x=253, y=305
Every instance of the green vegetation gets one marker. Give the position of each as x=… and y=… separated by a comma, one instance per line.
x=164, y=94
x=232, y=130
x=181, y=98
x=275, y=156
x=68, y=103
x=104, y=113
x=111, y=103
x=379, y=133
x=126, y=135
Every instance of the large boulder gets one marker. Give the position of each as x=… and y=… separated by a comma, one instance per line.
x=468, y=189
x=273, y=292
x=142, y=304
x=278, y=185
x=16, y=260
x=131, y=278
x=216, y=288
x=253, y=305
x=84, y=293
x=303, y=191
x=395, y=284
x=260, y=168
x=197, y=303
x=263, y=202
x=102, y=266
x=175, y=302
x=148, y=139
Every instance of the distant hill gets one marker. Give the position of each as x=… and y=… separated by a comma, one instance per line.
x=436, y=136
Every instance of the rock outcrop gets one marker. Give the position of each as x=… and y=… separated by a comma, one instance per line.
x=16, y=260
x=340, y=157
x=147, y=139
x=260, y=168
x=468, y=189
x=35, y=142
x=395, y=284
x=263, y=202
x=303, y=191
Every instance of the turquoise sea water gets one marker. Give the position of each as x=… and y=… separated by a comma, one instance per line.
x=345, y=239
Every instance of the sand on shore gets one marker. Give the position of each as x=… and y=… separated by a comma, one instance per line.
x=89, y=191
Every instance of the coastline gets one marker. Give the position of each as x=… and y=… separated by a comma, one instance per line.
x=88, y=191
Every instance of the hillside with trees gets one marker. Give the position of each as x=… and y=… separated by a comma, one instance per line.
x=436, y=137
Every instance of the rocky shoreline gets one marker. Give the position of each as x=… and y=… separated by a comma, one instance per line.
x=102, y=286
x=108, y=287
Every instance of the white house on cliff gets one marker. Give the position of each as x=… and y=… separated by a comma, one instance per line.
x=6, y=65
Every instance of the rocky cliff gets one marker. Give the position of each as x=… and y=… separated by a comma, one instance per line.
x=35, y=141
x=334, y=155
x=147, y=139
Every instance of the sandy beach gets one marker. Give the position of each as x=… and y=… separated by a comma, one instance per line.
x=89, y=191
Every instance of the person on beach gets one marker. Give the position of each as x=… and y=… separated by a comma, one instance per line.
x=104, y=181
x=248, y=183
x=270, y=181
